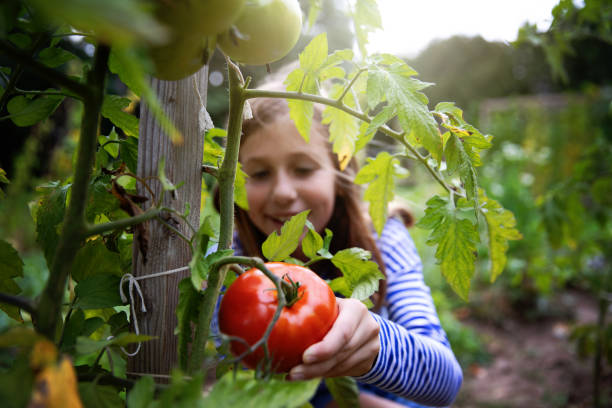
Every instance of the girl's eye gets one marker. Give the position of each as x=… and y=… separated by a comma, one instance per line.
x=259, y=175
x=303, y=171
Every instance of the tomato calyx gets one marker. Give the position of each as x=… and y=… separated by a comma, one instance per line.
x=291, y=290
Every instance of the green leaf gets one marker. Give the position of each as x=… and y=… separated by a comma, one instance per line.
x=112, y=21
x=394, y=83
x=112, y=109
x=240, y=194
x=55, y=56
x=129, y=153
x=187, y=311
x=456, y=238
x=95, y=259
x=110, y=142
x=301, y=111
x=100, y=201
x=312, y=241
x=343, y=128
x=380, y=173
x=458, y=160
x=360, y=276
x=49, y=216
x=213, y=151
x=11, y=266
x=244, y=390
x=366, y=18
x=98, y=292
x=279, y=247
x=344, y=391
x=200, y=265
x=182, y=392
x=501, y=227
x=99, y=396
x=142, y=393
x=314, y=54
x=473, y=141
x=86, y=345
x=28, y=112
x=3, y=178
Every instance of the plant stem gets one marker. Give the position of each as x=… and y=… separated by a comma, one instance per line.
x=20, y=302
x=74, y=226
x=122, y=223
x=227, y=176
x=337, y=103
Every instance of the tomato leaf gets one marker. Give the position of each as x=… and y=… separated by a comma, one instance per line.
x=200, y=265
x=343, y=128
x=55, y=56
x=113, y=110
x=187, y=311
x=380, y=173
x=142, y=393
x=213, y=151
x=313, y=11
x=87, y=345
x=501, y=227
x=98, y=292
x=391, y=80
x=11, y=266
x=240, y=194
x=241, y=389
x=312, y=241
x=456, y=238
x=344, y=391
x=279, y=247
x=458, y=160
x=49, y=216
x=27, y=112
x=360, y=276
x=99, y=396
x=95, y=259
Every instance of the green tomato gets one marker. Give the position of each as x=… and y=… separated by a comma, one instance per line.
x=205, y=17
x=268, y=30
x=182, y=56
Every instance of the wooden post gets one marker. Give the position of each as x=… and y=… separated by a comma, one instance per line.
x=166, y=250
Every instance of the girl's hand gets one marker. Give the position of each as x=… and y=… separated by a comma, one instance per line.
x=348, y=349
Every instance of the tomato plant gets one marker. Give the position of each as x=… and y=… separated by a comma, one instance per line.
x=249, y=305
x=267, y=31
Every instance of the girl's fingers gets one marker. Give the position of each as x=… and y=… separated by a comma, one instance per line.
x=350, y=347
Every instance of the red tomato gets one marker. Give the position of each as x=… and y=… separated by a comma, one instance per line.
x=249, y=305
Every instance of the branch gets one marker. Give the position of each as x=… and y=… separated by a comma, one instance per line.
x=122, y=223
x=227, y=176
x=337, y=103
x=21, y=302
x=74, y=226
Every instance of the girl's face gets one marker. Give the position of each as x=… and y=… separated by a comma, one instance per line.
x=287, y=176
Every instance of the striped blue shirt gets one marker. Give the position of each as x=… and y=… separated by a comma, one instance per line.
x=415, y=361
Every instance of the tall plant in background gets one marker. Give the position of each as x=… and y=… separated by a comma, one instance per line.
x=84, y=223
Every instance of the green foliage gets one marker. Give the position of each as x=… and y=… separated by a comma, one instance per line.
x=344, y=391
x=360, y=276
x=27, y=112
x=381, y=174
x=280, y=247
x=240, y=388
x=456, y=237
x=11, y=267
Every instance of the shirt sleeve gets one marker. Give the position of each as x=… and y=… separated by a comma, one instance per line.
x=415, y=360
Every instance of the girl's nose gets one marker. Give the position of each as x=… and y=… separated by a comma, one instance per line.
x=284, y=190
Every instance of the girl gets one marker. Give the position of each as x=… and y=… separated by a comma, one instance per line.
x=398, y=352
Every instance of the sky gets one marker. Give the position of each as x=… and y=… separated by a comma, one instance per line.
x=410, y=25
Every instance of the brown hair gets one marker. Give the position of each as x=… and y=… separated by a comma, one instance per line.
x=348, y=222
